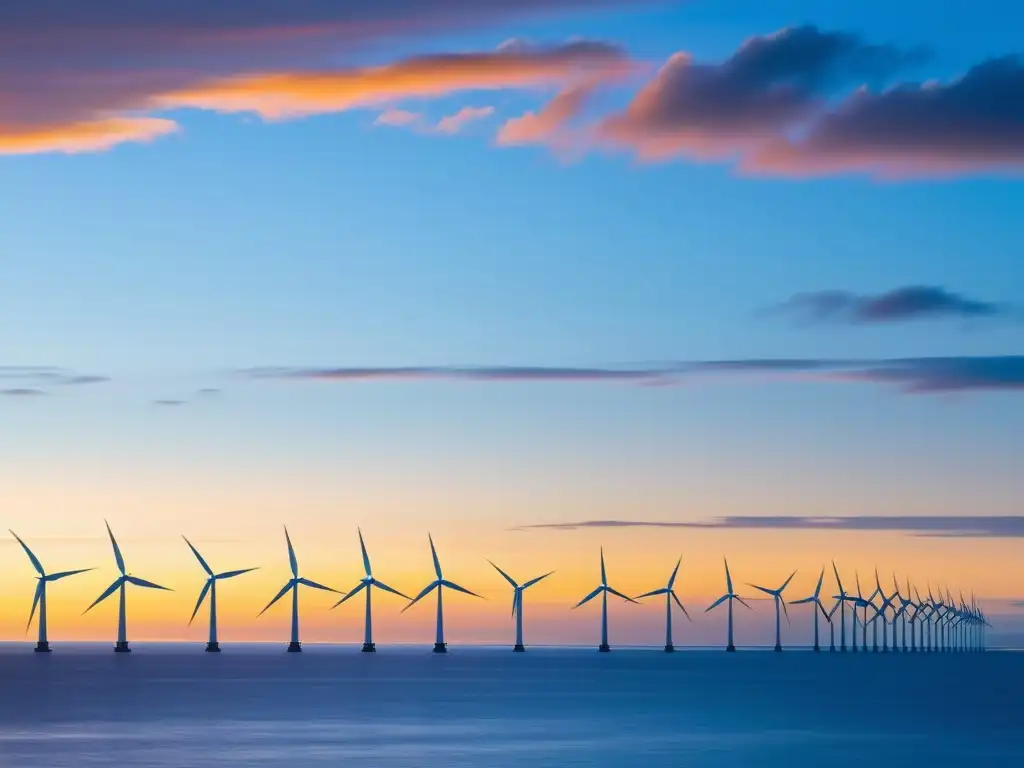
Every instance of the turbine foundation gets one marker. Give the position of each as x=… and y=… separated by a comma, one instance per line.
x=519, y=648
x=122, y=647
x=440, y=647
x=817, y=649
x=213, y=647
x=603, y=648
x=43, y=647
x=369, y=647
x=669, y=648
x=295, y=647
x=778, y=648
x=730, y=648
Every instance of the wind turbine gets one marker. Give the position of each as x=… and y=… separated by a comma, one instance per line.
x=517, y=603
x=43, y=645
x=211, y=587
x=670, y=595
x=842, y=599
x=368, y=582
x=729, y=596
x=870, y=603
x=860, y=602
x=292, y=586
x=816, y=600
x=832, y=625
x=440, y=646
x=887, y=602
x=777, y=596
x=603, y=590
x=119, y=586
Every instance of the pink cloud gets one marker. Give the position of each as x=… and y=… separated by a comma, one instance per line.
x=452, y=124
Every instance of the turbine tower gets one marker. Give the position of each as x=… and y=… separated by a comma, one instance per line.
x=816, y=600
x=887, y=602
x=440, y=584
x=729, y=596
x=211, y=587
x=368, y=583
x=870, y=603
x=39, y=600
x=777, y=596
x=842, y=599
x=119, y=585
x=517, y=603
x=670, y=595
x=860, y=602
x=603, y=590
x=832, y=625
x=293, y=584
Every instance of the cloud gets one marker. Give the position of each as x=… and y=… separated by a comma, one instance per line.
x=911, y=375
x=962, y=526
x=169, y=403
x=548, y=125
x=76, y=138
x=770, y=85
x=398, y=118
x=41, y=376
x=452, y=124
x=972, y=124
x=914, y=302
x=22, y=392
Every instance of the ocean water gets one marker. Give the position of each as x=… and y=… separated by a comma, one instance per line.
x=254, y=705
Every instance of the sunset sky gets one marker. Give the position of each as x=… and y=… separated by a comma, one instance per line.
x=697, y=273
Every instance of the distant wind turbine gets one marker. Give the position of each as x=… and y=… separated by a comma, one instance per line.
x=777, y=597
x=39, y=600
x=815, y=600
x=517, y=603
x=211, y=587
x=842, y=599
x=729, y=596
x=293, y=584
x=861, y=603
x=368, y=583
x=603, y=590
x=887, y=602
x=670, y=595
x=440, y=584
x=119, y=586
x=832, y=625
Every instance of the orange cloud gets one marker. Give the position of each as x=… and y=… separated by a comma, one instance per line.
x=547, y=125
x=81, y=137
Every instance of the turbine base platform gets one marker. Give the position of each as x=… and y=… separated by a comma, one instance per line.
x=670, y=648
x=730, y=648
x=43, y=647
x=213, y=647
x=519, y=648
x=295, y=647
x=817, y=649
x=778, y=649
x=603, y=648
x=440, y=647
x=122, y=647
x=369, y=647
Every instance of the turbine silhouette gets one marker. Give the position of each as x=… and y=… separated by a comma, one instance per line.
x=729, y=596
x=777, y=597
x=603, y=590
x=670, y=595
x=517, y=603
x=440, y=584
x=816, y=600
x=210, y=587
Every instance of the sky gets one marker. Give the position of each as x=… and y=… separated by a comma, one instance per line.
x=716, y=278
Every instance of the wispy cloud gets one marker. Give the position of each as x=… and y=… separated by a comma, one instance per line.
x=914, y=302
x=924, y=375
x=963, y=526
x=33, y=380
x=393, y=117
x=454, y=123
x=22, y=392
x=169, y=403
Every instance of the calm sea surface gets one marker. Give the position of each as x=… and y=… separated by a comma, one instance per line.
x=166, y=705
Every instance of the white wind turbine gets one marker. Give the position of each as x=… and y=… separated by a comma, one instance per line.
x=517, y=603
x=603, y=589
x=44, y=578
x=816, y=601
x=729, y=596
x=211, y=587
x=777, y=596
x=440, y=584
x=294, y=646
x=119, y=585
x=368, y=583
x=669, y=592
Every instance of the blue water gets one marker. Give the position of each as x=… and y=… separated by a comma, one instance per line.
x=332, y=706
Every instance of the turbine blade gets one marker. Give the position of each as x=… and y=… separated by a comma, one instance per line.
x=828, y=616
x=604, y=575
x=353, y=593
x=64, y=574
x=619, y=594
x=672, y=578
x=433, y=553
x=785, y=610
x=508, y=578
x=199, y=557
x=531, y=582
x=654, y=593
x=821, y=578
x=35, y=561
x=457, y=588
x=742, y=602
x=728, y=577
x=117, y=549
x=589, y=597
x=426, y=591
x=786, y=583
x=35, y=603
x=291, y=554
x=315, y=585
x=199, y=602
x=392, y=590
x=143, y=583
x=106, y=593
x=366, y=557
x=838, y=580
x=803, y=600
x=515, y=601
x=763, y=589
x=717, y=603
x=681, y=606
x=232, y=574
x=284, y=591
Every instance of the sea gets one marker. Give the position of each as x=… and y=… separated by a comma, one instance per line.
x=166, y=706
